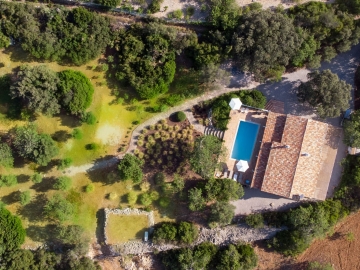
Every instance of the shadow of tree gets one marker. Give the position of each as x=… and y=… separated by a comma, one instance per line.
x=51, y=164
x=61, y=136
x=100, y=233
x=23, y=178
x=34, y=210
x=42, y=234
x=69, y=121
x=45, y=185
x=104, y=170
x=11, y=198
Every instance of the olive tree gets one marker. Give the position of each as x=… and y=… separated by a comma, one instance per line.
x=352, y=130
x=326, y=93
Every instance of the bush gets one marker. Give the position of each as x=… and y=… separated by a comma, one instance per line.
x=108, y=3
x=77, y=134
x=112, y=196
x=130, y=167
x=222, y=213
x=6, y=156
x=92, y=146
x=145, y=199
x=155, y=6
x=164, y=202
x=131, y=197
x=65, y=163
x=165, y=232
x=187, y=232
x=36, y=178
x=89, y=118
x=25, y=197
x=63, y=183
x=180, y=116
x=8, y=180
x=255, y=221
x=89, y=188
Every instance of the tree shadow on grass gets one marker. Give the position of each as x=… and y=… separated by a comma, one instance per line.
x=34, y=210
x=104, y=170
x=42, y=234
x=45, y=185
x=100, y=233
x=48, y=167
x=61, y=136
x=69, y=121
x=11, y=198
x=23, y=178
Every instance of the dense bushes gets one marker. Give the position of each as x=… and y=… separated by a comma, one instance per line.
x=108, y=3
x=221, y=109
x=184, y=232
x=155, y=6
x=208, y=256
x=306, y=223
x=56, y=34
x=45, y=91
x=6, y=156
x=255, y=220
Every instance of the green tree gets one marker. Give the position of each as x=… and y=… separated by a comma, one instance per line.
x=187, y=232
x=12, y=233
x=255, y=220
x=196, y=199
x=352, y=130
x=130, y=167
x=26, y=140
x=223, y=190
x=351, y=6
x=76, y=91
x=108, y=3
x=25, y=197
x=224, y=14
x=59, y=209
x=229, y=259
x=165, y=232
x=8, y=180
x=326, y=93
x=222, y=214
x=6, y=156
x=36, y=178
x=207, y=154
x=65, y=163
x=63, y=183
x=38, y=87
x=145, y=199
x=270, y=48
x=77, y=134
x=4, y=40
x=178, y=183
x=45, y=150
x=74, y=238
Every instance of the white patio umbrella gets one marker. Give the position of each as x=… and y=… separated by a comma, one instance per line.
x=235, y=103
x=242, y=166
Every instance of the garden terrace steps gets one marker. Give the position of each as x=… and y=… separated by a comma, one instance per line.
x=210, y=130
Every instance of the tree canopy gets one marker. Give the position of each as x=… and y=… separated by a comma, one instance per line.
x=37, y=86
x=12, y=233
x=130, y=167
x=208, y=152
x=59, y=209
x=222, y=214
x=268, y=49
x=352, y=130
x=76, y=90
x=326, y=93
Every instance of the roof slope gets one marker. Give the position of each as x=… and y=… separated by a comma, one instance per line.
x=282, y=162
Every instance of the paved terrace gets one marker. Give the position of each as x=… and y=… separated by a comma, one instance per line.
x=256, y=116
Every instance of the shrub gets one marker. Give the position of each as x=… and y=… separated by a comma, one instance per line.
x=130, y=167
x=187, y=232
x=131, y=197
x=109, y=4
x=159, y=178
x=65, y=163
x=63, y=183
x=25, y=197
x=36, y=178
x=89, y=118
x=112, y=196
x=164, y=202
x=92, y=146
x=154, y=195
x=59, y=209
x=145, y=186
x=165, y=232
x=145, y=199
x=155, y=6
x=180, y=116
x=177, y=14
x=8, y=180
x=6, y=156
x=89, y=188
x=255, y=220
x=77, y=134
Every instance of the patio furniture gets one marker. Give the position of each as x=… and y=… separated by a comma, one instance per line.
x=229, y=175
x=242, y=110
x=235, y=177
x=246, y=110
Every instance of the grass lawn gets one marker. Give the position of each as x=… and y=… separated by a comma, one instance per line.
x=122, y=228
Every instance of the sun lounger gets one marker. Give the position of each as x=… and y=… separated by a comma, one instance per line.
x=235, y=177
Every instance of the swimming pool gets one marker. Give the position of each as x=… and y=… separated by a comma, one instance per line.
x=245, y=141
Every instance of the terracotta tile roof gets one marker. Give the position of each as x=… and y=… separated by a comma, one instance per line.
x=273, y=132
x=282, y=162
x=310, y=160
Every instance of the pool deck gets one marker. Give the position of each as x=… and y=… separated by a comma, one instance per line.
x=254, y=116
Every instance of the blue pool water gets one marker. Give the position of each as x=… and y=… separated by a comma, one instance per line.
x=245, y=141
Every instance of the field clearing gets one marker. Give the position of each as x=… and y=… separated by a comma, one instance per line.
x=122, y=228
